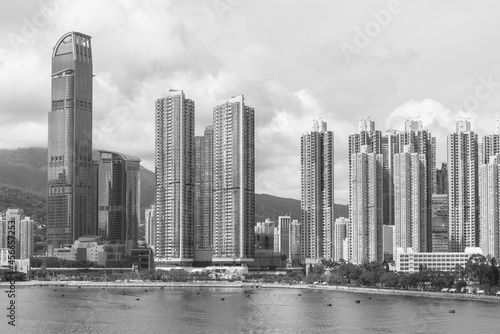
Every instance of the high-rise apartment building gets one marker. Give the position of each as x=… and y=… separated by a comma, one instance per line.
x=282, y=236
x=317, y=183
x=490, y=146
x=150, y=226
x=118, y=198
x=489, y=199
x=463, y=194
x=174, y=164
x=442, y=179
x=294, y=240
x=69, y=191
x=342, y=225
x=233, y=208
x=21, y=232
x=390, y=146
x=440, y=241
x=365, y=206
x=411, y=223
x=203, y=190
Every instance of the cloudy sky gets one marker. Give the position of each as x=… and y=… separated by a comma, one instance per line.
x=294, y=61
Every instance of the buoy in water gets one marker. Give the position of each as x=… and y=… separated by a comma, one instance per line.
x=63, y=295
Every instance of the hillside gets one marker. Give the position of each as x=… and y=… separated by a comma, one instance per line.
x=23, y=182
x=268, y=206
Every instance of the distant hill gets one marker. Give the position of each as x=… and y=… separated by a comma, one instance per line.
x=23, y=184
x=268, y=206
x=25, y=168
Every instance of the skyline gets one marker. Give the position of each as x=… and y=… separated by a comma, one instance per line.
x=290, y=74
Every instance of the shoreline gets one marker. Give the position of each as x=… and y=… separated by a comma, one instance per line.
x=223, y=284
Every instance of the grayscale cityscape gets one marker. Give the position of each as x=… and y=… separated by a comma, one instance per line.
x=235, y=166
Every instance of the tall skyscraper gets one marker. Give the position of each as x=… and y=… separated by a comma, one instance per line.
x=69, y=204
x=490, y=145
x=119, y=198
x=317, y=163
x=463, y=188
x=23, y=233
x=340, y=234
x=489, y=199
x=365, y=206
x=150, y=226
x=174, y=164
x=294, y=242
x=440, y=241
x=390, y=146
x=442, y=179
x=411, y=218
x=203, y=190
x=233, y=181
x=282, y=236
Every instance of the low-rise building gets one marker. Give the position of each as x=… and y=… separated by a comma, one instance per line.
x=409, y=261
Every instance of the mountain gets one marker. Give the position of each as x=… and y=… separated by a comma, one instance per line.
x=25, y=168
x=23, y=184
x=268, y=206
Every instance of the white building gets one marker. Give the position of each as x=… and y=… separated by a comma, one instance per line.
x=409, y=261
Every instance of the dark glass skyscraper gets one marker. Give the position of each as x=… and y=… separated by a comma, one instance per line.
x=119, y=198
x=69, y=189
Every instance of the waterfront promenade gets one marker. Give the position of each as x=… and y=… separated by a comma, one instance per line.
x=257, y=285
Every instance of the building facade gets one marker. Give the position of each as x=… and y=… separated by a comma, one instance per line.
x=69, y=189
x=409, y=261
x=282, y=236
x=340, y=234
x=174, y=164
x=489, y=199
x=463, y=192
x=118, y=198
x=440, y=241
x=203, y=190
x=233, y=207
x=365, y=206
x=150, y=226
x=411, y=228
x=20, y=235
x=317, y=184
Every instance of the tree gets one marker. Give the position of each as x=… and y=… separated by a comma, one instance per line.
x=283, y=260
x=476, y=269
x=493, y=273
x=389, y=279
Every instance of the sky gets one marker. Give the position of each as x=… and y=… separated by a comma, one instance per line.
x=294, y=61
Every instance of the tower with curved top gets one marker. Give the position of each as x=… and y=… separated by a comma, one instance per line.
x=69, y=193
